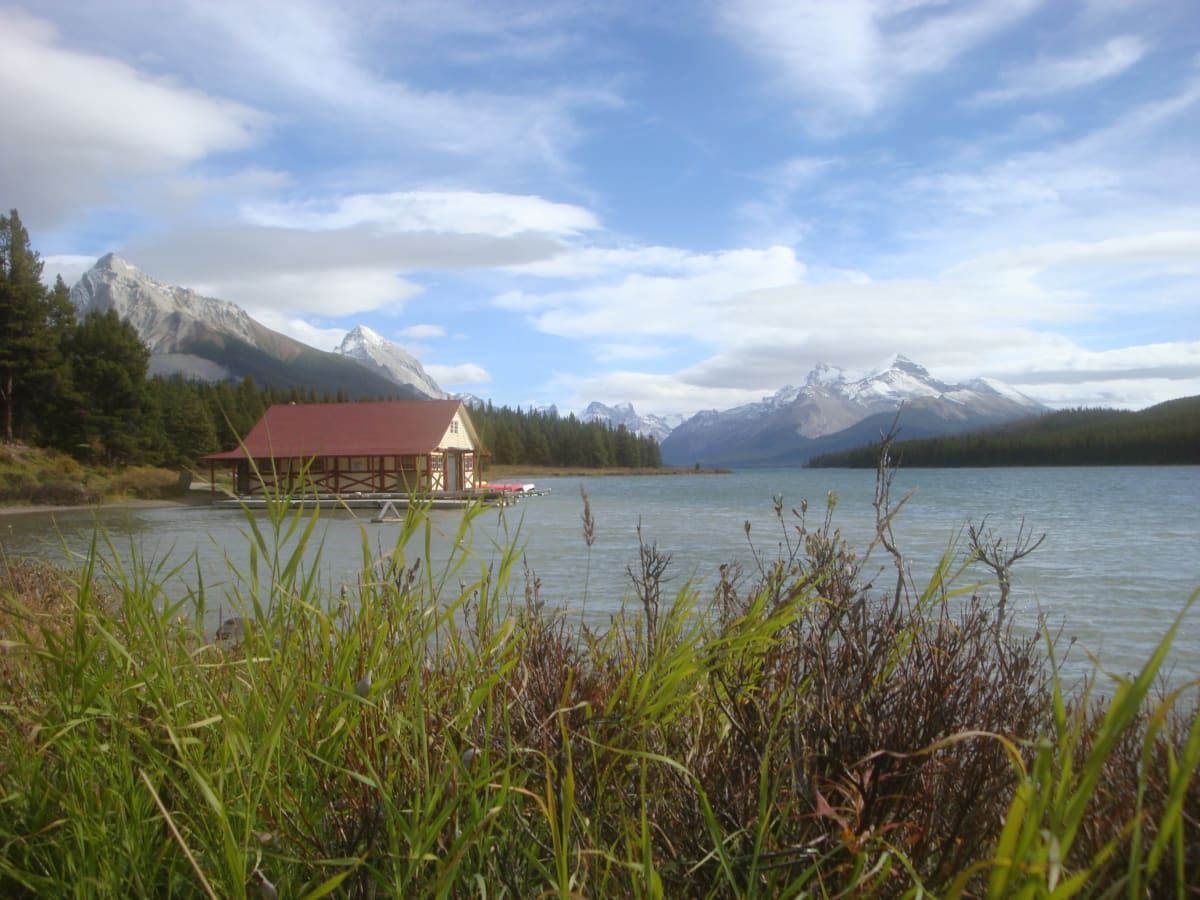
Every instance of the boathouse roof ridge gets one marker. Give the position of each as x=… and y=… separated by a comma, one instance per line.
x=388, y=427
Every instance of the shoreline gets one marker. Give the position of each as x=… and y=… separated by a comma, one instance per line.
x=202, y=496
x=502, y=472
x=27, y=509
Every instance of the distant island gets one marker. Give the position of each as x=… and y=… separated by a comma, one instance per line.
x=1163, y=435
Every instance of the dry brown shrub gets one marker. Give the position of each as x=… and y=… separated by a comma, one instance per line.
x=146, y=482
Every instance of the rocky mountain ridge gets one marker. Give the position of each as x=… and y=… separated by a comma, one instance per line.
x=202, y=337
x=657, y=427
x=833, y=411
x=374, y=351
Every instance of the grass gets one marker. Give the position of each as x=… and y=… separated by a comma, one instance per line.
x=433, y=731
x=30, y=475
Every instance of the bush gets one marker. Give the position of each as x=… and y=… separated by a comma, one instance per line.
x=146, y=482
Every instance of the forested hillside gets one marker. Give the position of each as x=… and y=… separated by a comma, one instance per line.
x=82, y=388
x=1166, y=434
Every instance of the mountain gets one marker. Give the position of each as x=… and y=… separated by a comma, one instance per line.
x=374, y=352
x=202, y=337
x=832, y=412
x=656, y=427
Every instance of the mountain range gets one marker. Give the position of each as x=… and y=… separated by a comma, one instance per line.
x=657, y=427
x=203, y=337
x=832, y=412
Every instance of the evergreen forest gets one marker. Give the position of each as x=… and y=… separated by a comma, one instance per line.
x=82, y=387
x=1162, y=435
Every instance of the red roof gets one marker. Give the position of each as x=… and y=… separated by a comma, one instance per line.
x=302, y=430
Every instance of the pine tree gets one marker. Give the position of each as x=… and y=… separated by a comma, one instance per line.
x=30, y=357
x=109, y=362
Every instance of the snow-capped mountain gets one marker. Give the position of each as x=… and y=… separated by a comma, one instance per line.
x=392, y=361
x=832, y=412
x=657, y=427
x=203, y=337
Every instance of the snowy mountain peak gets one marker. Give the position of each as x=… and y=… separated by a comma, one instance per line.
x=830, y=407
x=391, y=360
x=364, y=336
x=657, y=427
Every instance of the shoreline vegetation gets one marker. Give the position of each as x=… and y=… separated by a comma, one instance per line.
x=39, y=480
x=434, y=730
x=1167, y=434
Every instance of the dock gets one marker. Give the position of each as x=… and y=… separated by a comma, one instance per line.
x=389, y=507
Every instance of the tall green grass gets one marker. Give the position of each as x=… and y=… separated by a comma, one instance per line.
x=433, y=731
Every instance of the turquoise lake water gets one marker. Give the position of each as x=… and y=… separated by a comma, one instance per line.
x=1121, y=555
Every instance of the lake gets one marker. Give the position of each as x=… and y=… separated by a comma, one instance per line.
x=1119, y=560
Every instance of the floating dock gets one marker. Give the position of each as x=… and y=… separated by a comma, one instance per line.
x=389, y=506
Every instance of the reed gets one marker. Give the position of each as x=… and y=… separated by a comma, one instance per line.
x=429, y=730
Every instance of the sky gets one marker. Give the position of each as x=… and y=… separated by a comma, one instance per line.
x=684, y=205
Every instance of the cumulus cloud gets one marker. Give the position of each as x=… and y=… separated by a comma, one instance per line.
x=76, y=123
x=296, y=327
x=678, y=293
x=466, y=373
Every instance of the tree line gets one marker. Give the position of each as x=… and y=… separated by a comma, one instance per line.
x=1166, y=434
x=82, y=387
x=534, y=437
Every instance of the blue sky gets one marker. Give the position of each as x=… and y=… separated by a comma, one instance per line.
x=685, y=205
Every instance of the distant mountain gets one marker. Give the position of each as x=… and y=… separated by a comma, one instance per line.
x=1163, y=435
x=392, y=361
x=210, y=339
x=657, y=427
x=832, y=412
x=471, y=400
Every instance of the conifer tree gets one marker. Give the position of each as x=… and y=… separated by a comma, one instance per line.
x=29, y=344
x=109, y=362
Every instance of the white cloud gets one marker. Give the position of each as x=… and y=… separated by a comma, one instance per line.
x=466, y=373
x=76, y=124
x=422, y=332
x=298, y=328
x=313, y=58
x=469, y=212
x=329, y=293
x=328, y=273
x=71, y=268
x=846, y=60
x=1052, y=75
x=678, y=294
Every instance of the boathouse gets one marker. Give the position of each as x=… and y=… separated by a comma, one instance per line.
x=391, y=447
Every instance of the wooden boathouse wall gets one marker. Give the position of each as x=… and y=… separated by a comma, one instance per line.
x=435, y=450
